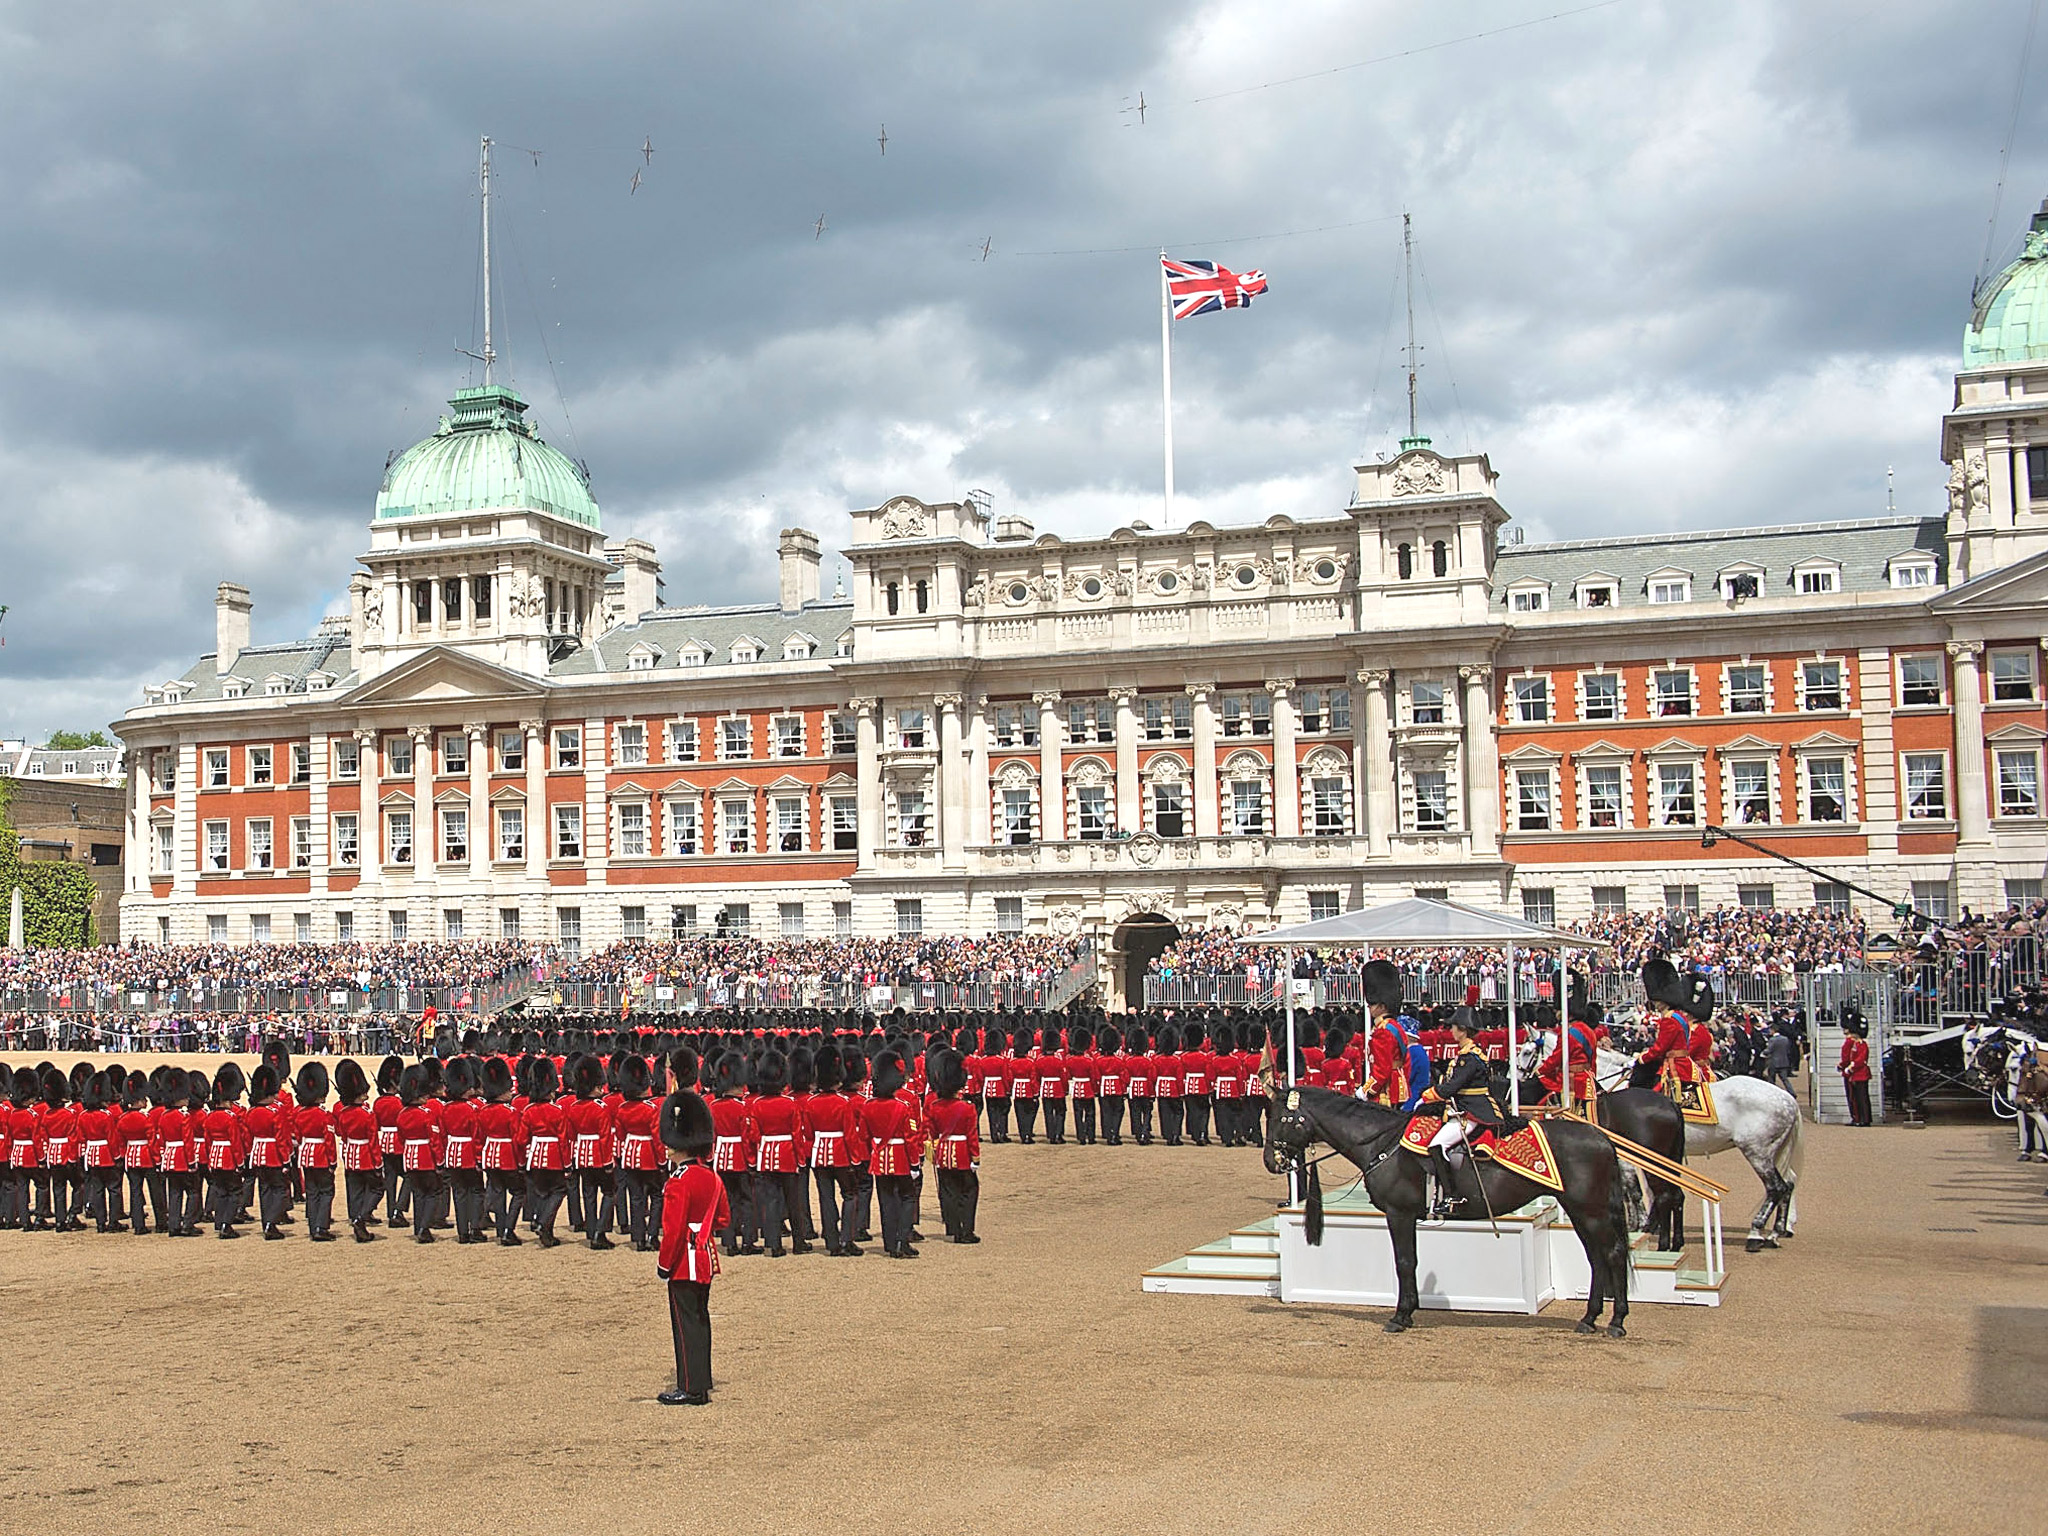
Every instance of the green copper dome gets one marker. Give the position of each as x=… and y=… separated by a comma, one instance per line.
x=484, y=456
x=2010, y=323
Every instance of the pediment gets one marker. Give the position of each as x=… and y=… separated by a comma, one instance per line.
x=1532, y=753
x=2023, y=584
x=1676, y=746
x=1749, y=743
x=1823, y=739
x=2018, y=731
x=1605, y=749
x=445, y=673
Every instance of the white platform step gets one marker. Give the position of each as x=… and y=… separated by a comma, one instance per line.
x=1192, y=1277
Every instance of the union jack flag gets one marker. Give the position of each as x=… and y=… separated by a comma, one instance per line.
x=1198, y=287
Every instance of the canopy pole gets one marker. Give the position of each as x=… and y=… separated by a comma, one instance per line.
x=1514, y=1064
x=1294, y=1192
x=1564, y=1027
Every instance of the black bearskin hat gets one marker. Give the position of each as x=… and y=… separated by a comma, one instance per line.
x=586, y=1078
x=825, y=1066
x=683, y=1066
x=543, y=1082
x=497, y=1077
x=311, y=1085
x=351, y=1083
x=263, y=1084
x=229, y=1082
x=437, y=1075
x=197, y=1087
x=1166, y=1042
x=460, y=1078
x=135, y=1092
x=1698, y=1004
x=948, y=1073
x=1662, y=983
x=6, y=1081
x=1225, y=1040
x=117, y=1076
x=94, y=1094
x=803, y=1071
x=889, y=1075
x=687, y=1126
x=1381, y=983
x=728, y=1072
x=277, y=1058
x=413, y=1084
x=634, y=1078
x=1575, y=1008
x=81, y=1074
x=772, y=1074
x=388, y=1072
x=1109, y=1042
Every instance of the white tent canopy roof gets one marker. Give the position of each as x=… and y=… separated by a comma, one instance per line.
x=1419, y=922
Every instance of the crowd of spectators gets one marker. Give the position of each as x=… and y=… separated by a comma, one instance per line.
x=735, y=961
x=104, y=973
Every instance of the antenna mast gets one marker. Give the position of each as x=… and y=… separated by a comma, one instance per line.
x=483, y=175
x=1414, y=439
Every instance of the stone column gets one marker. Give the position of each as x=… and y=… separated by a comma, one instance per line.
x=319, y=756
x=867, y=758
x=537, y=829
x=1052, y=782
x=1373, y=762
x=479, y=806
x=1482, y=762
x=1208, y=814
x=1973, y=801
x=1126, y=700
x=980, y=825
x=1286, y=772
x=185, y=817
x=426, y=834
x=141, y=843
x=369, y=815
x=953, y=832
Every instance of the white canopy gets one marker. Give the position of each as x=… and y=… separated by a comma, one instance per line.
x=1423, y=923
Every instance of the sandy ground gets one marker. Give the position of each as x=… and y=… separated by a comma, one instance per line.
x=1888, y=1369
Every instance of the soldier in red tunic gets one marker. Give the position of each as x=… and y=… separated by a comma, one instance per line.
x=1671, y=994
x=141, y=1101
x=896, y=1146
x=386, y=1109
x=1023, y=1071
x=838, y=1148
x=956, y=1147
x=316, y=1152
x=504, y=1153
x=1052, y=1086
x=98, y=1151
x=1197, y=1083
x=268, y=1150
x=462, y=1149
x=1854, y=1065
x=591, y=1138
x=640, y=1173
x=419, y=1147
x=362, y=1164
x=693, y=1209
x=776, y=1128
x=995, y=1085
x=225, y=1150
x=732, y=1156
x=546, y=1150
x=1109, y=1085
x=1084, y=1072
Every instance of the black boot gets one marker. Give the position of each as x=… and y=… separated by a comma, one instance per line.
x=1440, y=1168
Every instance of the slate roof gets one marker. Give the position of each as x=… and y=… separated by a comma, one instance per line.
x=1863, y=548
x=293, y=658
x=671, y=630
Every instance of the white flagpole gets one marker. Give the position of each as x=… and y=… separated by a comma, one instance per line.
x=1166, y=375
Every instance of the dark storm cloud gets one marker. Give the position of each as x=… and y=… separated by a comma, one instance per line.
x=1682, y=266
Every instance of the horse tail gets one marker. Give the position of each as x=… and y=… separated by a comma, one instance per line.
x=1312, y=1208
x=1617, y=1214
x=1791, y=1159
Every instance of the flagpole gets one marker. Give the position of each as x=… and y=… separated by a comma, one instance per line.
x=1166, y=376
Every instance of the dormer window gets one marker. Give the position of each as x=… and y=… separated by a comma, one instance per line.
x=1740, y=582
x=640, y=661
x=844, y=648
x=1528, y=597
x=277, y=688
x=1669, y=587
x=317, y=682
x=1816, y=578
x=745, y=651
x=798, y=648
x=692, y=655
x=234, y=689
x=1912, y=573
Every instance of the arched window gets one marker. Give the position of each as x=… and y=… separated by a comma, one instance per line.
x=894, y=596
x=924, y=595
x=1440, y=558
x=1404, y=561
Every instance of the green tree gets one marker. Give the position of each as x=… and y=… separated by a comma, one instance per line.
x=56, y=898
x=72, y=741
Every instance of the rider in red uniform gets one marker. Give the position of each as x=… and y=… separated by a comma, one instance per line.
x=1679, y=1000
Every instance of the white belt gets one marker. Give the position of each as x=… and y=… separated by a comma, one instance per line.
x=766, y=1139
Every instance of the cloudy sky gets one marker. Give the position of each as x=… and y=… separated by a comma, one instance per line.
x=1679, y=266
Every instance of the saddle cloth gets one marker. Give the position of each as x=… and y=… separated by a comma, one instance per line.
x=1695, y=1099
x=1525, y=1151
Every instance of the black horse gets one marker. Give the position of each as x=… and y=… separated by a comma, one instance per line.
x=1369, y=1136
x=1649, y=1118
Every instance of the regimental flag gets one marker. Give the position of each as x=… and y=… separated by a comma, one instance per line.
x=1198, y=287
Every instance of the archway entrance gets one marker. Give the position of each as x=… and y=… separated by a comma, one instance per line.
x=1139, y=941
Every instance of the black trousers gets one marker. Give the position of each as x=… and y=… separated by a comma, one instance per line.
x=223, y=1197
x=319, y=1184
x=1084, y=1122
x=838, y=1189
x=998, y=1117
x=273, y=1195
x=775, y=1198
x=546, y=1188
x=424, y=1189
x=504, y=1198
x=1027, y=1119
x=1170, y=1120
x=1252, y=1120
x=1195, y=1106
x=801, y=1227
x=67, y=1192
x=959, y=1196
x=893, y=1194
x=97, y=1185
x=1859, y=1102
x=1141, y=1122
x=466, y=1189
x=1055, y=1121
x=146, y=1182
x=13, y=1208
x=858, y=1228
x=397, y=1196
x=41, y=1188
x=183, y=1189
x=1113, y=1120
x=639, y=1205
x=689, y=1320
x=739, y=1196
x=363, y=1188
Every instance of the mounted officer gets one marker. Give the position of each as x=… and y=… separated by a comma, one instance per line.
x=1678, y=999
x=1467, y=1095
x=1396, y=1061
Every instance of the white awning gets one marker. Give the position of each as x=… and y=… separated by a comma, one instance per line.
x=1420, y=923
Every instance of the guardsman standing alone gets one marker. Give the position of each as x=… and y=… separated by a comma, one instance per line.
x=693, y=1208
x=1854, y=1065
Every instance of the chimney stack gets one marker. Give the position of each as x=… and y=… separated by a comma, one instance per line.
x=800, y=561
x=641, y=574
x=231, y=607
